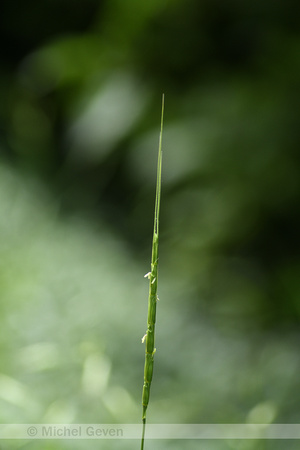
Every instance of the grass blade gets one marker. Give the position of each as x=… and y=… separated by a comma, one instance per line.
x=152, y=299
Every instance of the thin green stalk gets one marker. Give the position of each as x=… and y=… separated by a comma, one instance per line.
x=152, y=299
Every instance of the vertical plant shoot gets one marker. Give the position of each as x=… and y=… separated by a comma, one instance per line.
x=149, y=337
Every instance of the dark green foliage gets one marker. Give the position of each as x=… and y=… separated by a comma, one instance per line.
x=80, y=84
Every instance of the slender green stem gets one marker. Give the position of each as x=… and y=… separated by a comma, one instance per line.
x=152, y=299
x=143, y=434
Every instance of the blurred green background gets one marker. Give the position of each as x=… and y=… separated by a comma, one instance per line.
x=80, y=88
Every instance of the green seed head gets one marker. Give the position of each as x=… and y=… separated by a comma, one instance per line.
x=152, y=299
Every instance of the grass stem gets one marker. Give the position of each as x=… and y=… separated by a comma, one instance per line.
x=152, y=299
